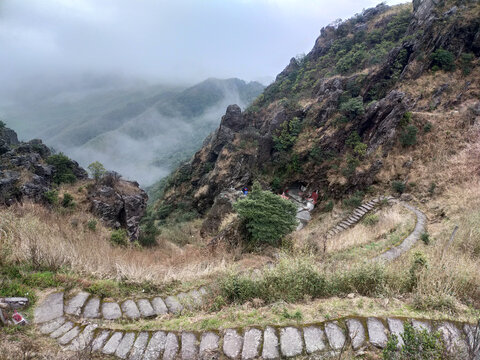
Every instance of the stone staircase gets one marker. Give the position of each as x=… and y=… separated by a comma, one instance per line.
x=323, y=339
x=86, y=306
x=356, y=215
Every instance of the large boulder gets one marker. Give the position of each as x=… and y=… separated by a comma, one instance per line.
x=119, y=204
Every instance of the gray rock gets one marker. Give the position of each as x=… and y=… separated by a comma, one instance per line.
x=51, y=308
x=377, y=333
x=155, y=346
x=62, y=330
x=130, y=309
x=472, y=333
x=251, y=344
x=209, y=345
x=335, y=335
x=83, y=340
x=171, y=347
x=15, y=302
x=314, y=339
x=139, y=346
x=75, y=304
x=145, y=308
x=92, y=308
x=52, y=325
x=173, y=305
x=159, y=306
x=98, y=342
x=112, y=343
x=125, y=345
x=189, y=346
x=304, y=216
x=421, y=325
x=203, y=291
x=356, y=333
x=396, y=328
x=111, y=311
x=196, y=297
x=69, y=335
x=453, y=339
x=290, y=342
x=232, y=344
x=270, y=344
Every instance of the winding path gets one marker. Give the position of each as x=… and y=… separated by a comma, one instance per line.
x=72, y=323
x=328, y=338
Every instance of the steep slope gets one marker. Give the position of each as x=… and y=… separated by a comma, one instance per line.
x=331, y=119
x=133, y=128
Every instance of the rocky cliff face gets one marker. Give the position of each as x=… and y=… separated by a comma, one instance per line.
x=25, y=174
x=330, y=118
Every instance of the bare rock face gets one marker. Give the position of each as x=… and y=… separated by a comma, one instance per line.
x=119, y=204
x=222, y=206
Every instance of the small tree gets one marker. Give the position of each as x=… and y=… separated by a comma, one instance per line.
x=97, y=170
x=2, y=125
x=267, y=216
x=443, y=59
x=353, y=107
x=409, y=136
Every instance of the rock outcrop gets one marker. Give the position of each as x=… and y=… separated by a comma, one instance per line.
x=26, y=175
x=120, y=204
x=24, y=172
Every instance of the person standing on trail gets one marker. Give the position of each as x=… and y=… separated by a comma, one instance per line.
x=245, y=191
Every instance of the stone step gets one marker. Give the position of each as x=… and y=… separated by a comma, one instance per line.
x=75, y=304
x=252, y=343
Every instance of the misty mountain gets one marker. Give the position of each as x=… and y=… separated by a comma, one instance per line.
x=137, y=129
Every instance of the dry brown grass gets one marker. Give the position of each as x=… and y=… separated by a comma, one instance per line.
x=33, y=234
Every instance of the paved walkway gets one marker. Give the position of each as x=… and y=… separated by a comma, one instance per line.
x=327, y=338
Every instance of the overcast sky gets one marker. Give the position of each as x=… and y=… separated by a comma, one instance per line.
x=160, y=40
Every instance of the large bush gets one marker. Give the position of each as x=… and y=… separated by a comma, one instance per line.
x=267, y=216
x=353, y=107
x=443, y=60
x=63, y=168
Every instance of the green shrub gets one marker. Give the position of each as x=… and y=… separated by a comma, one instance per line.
x=406, y=119
x=2, y=125
x=417, y=345
x=103, y=288
x=355, y=200
x=92, y=225
x=425, y=237
x=408, y=137
x=432, y=187
x=328, y=206
x=419, y=262
x=148, y=233
x=443, y=60
x=267, y=217
x=427, y=127
x=51, y=197
x=67, y=201
x=63, y=168
x=370, y=219
x=353, y=107
x=119, y=237
x=398, y=186
x=290, y=280
x=287, y=134
x=466, y=63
